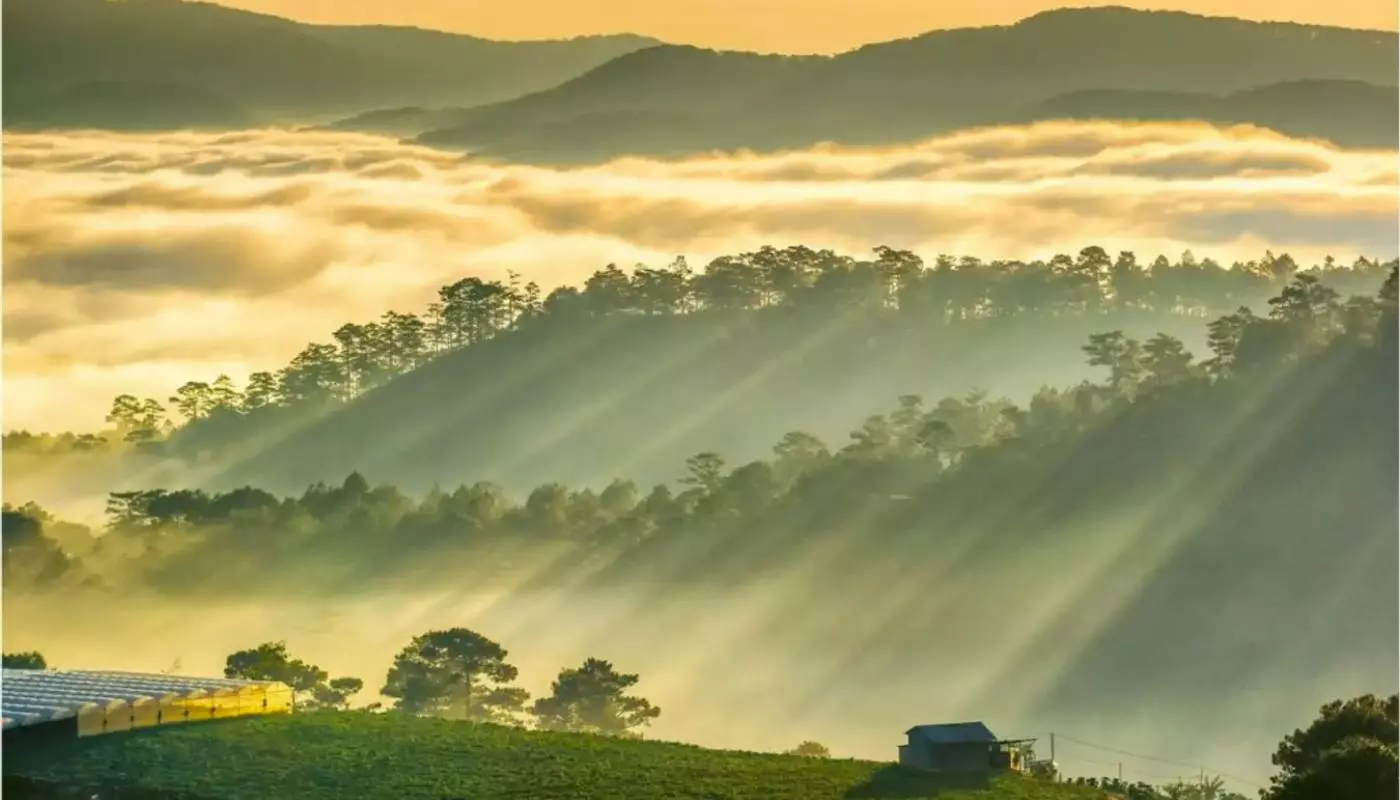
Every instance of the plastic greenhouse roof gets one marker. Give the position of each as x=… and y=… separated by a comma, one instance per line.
x=29, y=697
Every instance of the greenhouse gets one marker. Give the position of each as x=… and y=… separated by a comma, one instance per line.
x=69, y=703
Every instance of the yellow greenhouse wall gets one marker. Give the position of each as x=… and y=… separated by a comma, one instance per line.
x=118, y=718
x=223, y=705
x=145, y=713
x=228, y=704
x=91, y=722
x=172, y=710
x=278, y=702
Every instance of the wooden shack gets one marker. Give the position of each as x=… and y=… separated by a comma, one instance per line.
x=963, y=748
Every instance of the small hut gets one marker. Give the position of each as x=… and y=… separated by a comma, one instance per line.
x=963, y=748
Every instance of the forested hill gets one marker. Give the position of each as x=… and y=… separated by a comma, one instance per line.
x=632, y=374
x=1176, y=529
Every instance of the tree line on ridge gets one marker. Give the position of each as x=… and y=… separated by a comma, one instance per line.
x=470, y=311
x=154, y=535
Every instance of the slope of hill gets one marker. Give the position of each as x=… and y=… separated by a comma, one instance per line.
x=127, y=106
x=1248, y=517
x=352, y=754
x=405, y=122
x=1349, y=113
x=651, y=368
x=909, y=88
x=647, y=385
x=634, y=397
x=280, y=69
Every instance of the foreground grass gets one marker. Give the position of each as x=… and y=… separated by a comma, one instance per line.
x=341, y=755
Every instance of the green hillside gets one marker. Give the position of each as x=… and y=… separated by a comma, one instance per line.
x=674, y=99
x=300, y=72
x=333, y=756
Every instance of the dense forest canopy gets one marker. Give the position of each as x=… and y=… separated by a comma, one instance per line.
x=825, y=337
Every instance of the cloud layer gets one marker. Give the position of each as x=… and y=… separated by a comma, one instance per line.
x=136, y=262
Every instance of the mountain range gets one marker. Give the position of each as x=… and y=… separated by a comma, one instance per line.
x=171, y=64
x=1331, y=83
x=177, y=63
x=1108, y=62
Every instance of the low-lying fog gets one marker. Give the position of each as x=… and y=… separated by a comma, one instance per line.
x=135, y=263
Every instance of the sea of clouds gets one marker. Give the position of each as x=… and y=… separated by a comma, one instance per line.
x=136, y=262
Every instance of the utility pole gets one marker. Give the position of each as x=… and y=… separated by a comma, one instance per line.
x=1120, y=770
x=1052, y=758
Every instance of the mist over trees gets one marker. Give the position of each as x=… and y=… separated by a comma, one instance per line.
x=1190, y=456
x=826, y=338
x=1155, y=393
x=1205, y=452
x=1192, y=461
x=817, y=493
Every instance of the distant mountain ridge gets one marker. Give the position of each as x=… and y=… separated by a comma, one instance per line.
x=140, y=64
x=272, y=69
x=672, y=100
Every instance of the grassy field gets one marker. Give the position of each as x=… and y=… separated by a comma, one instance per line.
x=342, y=755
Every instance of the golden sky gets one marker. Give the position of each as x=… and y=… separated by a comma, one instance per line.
x=790, y=26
